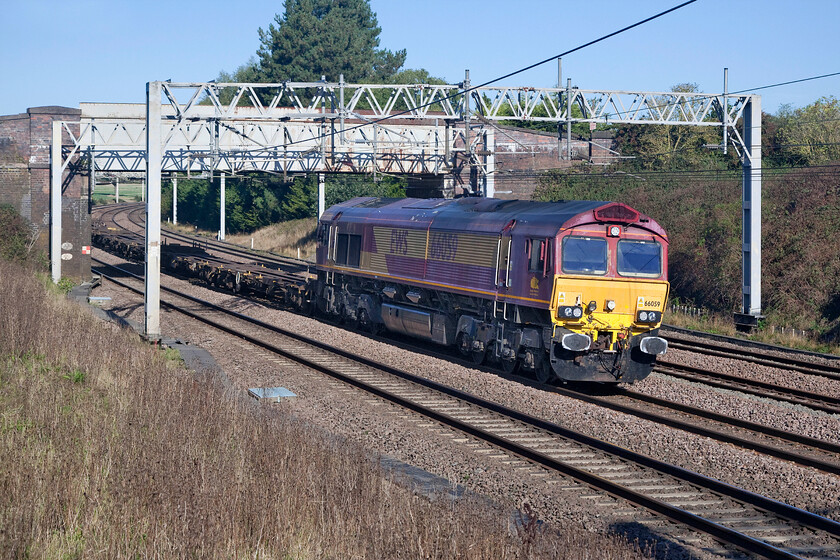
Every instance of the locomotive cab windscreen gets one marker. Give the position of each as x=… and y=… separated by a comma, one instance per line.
x=610, y=287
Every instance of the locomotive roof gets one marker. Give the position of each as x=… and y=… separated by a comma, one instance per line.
x=475, y=214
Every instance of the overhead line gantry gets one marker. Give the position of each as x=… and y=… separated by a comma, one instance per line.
x=306, y=127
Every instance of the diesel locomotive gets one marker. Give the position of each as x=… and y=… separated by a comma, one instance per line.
x=570, y=290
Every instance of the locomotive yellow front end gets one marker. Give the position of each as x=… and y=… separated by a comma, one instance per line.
x=610, y=292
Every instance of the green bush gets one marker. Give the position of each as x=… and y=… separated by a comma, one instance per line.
x=701, y=211
x=16, y=237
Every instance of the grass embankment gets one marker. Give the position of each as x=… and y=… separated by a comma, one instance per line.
x=284, y=238
x=293, y=238
x=129, y=192
x=110, y=450
x=723, y=325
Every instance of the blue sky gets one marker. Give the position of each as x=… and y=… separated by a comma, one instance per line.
x=56, y=52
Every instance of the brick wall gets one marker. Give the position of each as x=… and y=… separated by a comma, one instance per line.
x=25, y=183
x=521, y=154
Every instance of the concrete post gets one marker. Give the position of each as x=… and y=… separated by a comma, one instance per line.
x=92, y=177
x=467, y=116
x=341, y=108
x=56, y=169
x=752, y=207
x=117, y=190
x=559, y=107
x=490, y=167
x=725, y=111
x=154, y=161
x=569, y=119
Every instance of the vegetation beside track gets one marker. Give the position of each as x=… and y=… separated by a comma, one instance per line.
x=110, y=449
x=701, y=211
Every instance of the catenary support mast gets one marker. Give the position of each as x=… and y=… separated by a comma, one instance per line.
x=751, y=203
x=56, y=169
x=154, y=161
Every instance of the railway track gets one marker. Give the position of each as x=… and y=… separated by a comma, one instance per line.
x=789, y=446
x=791, y=395
x=757, y=354
x=731, y=515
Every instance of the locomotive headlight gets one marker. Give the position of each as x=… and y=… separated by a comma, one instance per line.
x=648, y=316
x=614, y=231
x=569, y=312
x=609, y=305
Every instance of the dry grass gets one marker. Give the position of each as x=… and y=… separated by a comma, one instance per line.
x=284, y=238
x=109, y=450
x=725, y=325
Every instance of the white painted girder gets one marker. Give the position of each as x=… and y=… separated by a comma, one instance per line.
x=310, y=100
x=264, y=146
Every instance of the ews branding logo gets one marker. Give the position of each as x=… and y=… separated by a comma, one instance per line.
x=399, y=241
x=442, y=246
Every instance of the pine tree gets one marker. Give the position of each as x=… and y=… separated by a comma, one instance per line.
x=302, y=199
x=325, y=37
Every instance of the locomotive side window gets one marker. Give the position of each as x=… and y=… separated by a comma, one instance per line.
x=639, y=258
x=323, y=234
x=354, y=250
x=539, y=255
x=584, y=255
x=348, y=250
x=341, y=249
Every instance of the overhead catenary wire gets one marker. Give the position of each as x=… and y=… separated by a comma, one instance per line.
x=466, y=91
x=703, y=96
x=822, y=170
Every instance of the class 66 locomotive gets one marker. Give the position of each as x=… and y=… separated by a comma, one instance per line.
x=564, y=291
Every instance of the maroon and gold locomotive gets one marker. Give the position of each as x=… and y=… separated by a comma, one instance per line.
x=570, y=290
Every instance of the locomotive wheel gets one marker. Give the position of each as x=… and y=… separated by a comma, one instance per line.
x=478, y=356
x=340, y=315
x=510, y=366
x=364, y=323
x=305, y=308
x=543, y=372
x=330, y=317
x=463, y=344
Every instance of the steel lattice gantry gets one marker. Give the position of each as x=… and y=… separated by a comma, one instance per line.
x=299, y=127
